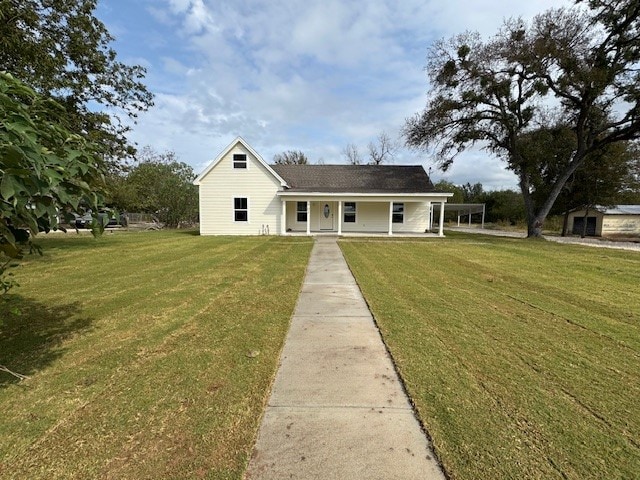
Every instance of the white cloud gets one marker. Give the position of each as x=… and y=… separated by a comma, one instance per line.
x=310, y=75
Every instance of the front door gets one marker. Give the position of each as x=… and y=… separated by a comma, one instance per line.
x=326, y=215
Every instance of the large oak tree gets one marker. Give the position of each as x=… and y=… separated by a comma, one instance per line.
x=61, y=50
x=569, y=68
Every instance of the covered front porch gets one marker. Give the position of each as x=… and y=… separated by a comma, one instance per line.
x=360, y=214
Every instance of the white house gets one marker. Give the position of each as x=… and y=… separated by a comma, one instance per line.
x=240, y=194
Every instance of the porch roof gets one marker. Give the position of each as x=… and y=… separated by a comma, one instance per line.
x=355, y=179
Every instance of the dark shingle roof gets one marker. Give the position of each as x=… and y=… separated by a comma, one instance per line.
x=355, y=178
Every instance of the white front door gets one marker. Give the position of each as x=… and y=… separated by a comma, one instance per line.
x=327, y=210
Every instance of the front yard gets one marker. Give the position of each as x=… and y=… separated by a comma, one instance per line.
x=522, y=357
x=150, y=355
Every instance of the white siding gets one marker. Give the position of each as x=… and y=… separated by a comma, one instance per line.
x=370, y=217
x=621, y=224
x=416, y=218
x=374, y=217
x=292, y=218
x=223, y=183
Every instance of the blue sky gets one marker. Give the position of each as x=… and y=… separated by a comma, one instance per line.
x=295, y=74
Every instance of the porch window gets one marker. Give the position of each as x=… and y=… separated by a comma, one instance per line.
x=349, y=212
x=301, y=211
x=398, y=213
x=239, y=160
x=241, y=209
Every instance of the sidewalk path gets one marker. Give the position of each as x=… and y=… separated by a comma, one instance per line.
x=337, y=409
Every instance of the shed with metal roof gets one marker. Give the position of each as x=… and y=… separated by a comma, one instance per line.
x=605, y=221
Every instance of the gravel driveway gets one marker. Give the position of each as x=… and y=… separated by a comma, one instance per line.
x=591, y=242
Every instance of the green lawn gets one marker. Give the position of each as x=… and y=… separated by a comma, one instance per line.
x=522, y=357
x=150, y=355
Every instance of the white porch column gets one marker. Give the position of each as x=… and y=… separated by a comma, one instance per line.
x=430, y=216
x=283, y=218
x=340, y=217
x=390, y=218
x=483, y=215
x=441, y=224
x=308, y=217
x=469, y=216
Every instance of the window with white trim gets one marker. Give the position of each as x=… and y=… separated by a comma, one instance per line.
x=349, y=212
x=301, y=211
x=398, y=213
x=241, y=209
x=239, y=160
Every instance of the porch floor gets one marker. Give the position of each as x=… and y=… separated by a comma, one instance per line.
x=364, y=234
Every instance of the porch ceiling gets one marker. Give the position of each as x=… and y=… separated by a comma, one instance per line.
x=364, y=197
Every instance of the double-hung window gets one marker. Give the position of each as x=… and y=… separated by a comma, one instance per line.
x=349, y=212
x=239, y=160
x=241, y=209
x=301, y=211
x=398, y=213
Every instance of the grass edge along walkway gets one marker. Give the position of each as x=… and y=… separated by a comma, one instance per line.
x=522, y=358
x=150, y=354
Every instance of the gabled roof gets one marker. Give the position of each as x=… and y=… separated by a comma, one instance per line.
x=620, y=210
x=355, y=178
x=230, y=147
x=613, y=210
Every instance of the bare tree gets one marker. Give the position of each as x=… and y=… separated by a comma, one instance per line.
x=382, y=151
x=291, y=157
x=352, y=154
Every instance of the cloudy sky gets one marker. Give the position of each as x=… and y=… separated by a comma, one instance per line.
x=295, y=74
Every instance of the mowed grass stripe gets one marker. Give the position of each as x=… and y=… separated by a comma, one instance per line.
x=512, y=369
x=169, y=377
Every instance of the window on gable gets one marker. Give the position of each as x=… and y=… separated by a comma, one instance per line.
x=239, y=160
x=398, y=213
x=301, y=211
x=349, y=212
x=241, y=209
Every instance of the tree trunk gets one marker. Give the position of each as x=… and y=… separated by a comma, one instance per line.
x=537, y=216
x=534, y=227
x=534, y=220
x=584, y=223
x=565, y=223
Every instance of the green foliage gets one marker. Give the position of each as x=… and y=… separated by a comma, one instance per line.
x=500, y=205
x=444, y=186
x=63, y=51
x=604, y=178
x=46, y=171
x=158, y=184
x=571, y=71
x=291, y=157
x=504, y=206
x=472, y=193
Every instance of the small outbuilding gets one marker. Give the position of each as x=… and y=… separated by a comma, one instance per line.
x=603, y=221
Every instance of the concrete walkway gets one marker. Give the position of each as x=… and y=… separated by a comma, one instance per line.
x=337, y=409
